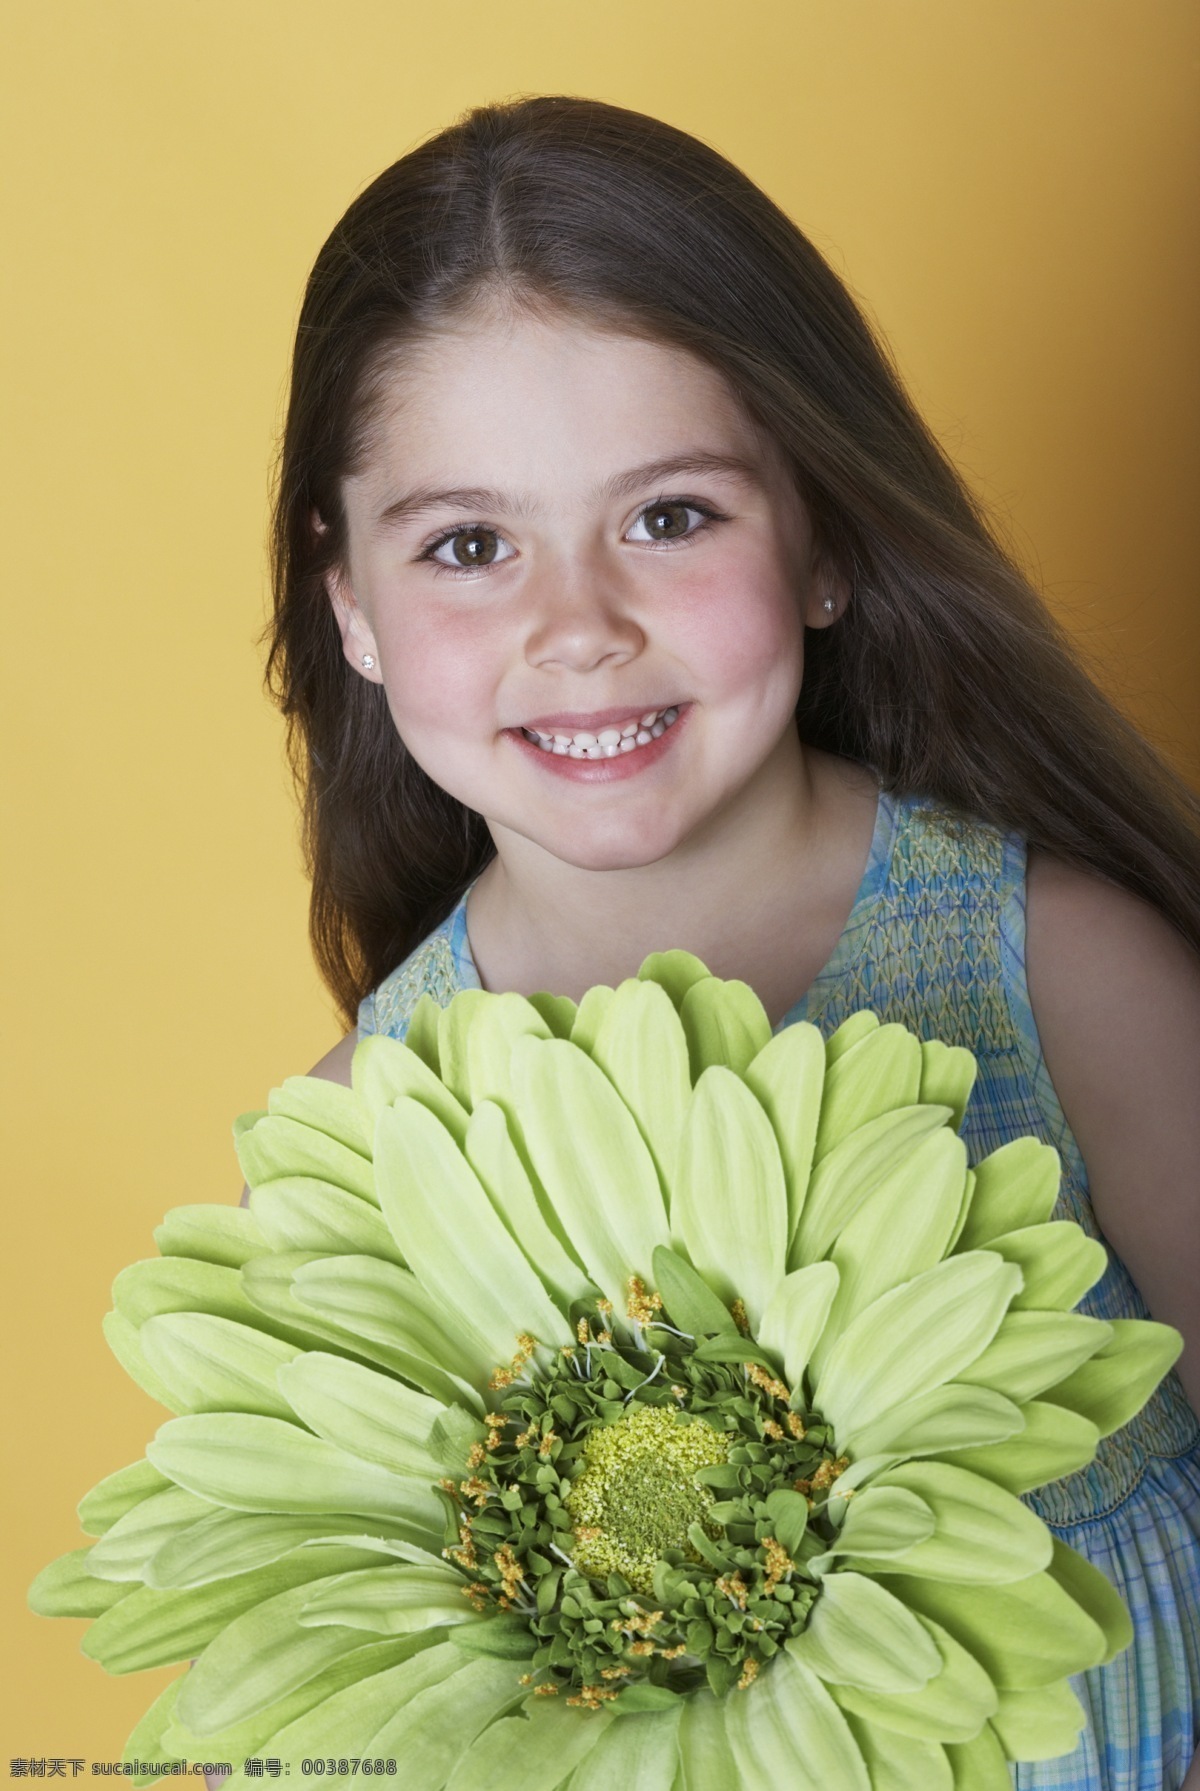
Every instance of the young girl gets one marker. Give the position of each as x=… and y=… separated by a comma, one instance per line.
x=623, y=602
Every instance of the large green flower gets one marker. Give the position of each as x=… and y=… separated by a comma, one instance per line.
x=616, y=1395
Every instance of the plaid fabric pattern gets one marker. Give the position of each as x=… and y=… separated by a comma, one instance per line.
x=936, y=941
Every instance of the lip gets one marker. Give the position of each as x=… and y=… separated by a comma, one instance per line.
x=576, y=721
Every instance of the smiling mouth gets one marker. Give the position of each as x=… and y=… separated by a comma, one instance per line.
x=605, y=743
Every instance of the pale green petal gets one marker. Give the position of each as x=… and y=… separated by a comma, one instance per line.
x=903, y=1228
x=852, y=1171
x=433, y=1730
x=558, y=1011
x=535, y=1751
x=454, y=1028
x=859, y=1634
x=1041, y=1724
x=981, y=1533
x=590, y=1015
x=585, y=1146
x=638, y=1752
x=147, y=1743
x=122, y=1339
x=675, y=971
x=882, y=1521
x=1094, y=1593
x=495, y=1027
x=641, y=1047
x=223, y=1234
x=979, y=1765
x=853, y=1029
x=390, y=1601
x=877, y=1075
x=123, y=1552
x=212, y=1364
x=725, y=1023
x=947, y=1077
x=327, y=1107
x=447, y=1229
x=1016, y=1186
x=945, y=1317
x=384, y=1069
x=952, y=1416
x=952, y=1706
x=795, y=1317
x=297, y=1212
x=1054, y=1442
x=1058, y=1260
x=229, y=1542
x=267, y=1283
x=787, y=1076
x=421, y=1035
x=1121, y=1376
x=1033, y=1350
x=787, y=1717
x=366, y=1413
x=66, y=1588
x=1028, y=1633
x=496, y=1160
x=276, y=1145
x=705, y=1757
x=263, y=1464
x=730, y=1204
x=900, y=1763
x=150, y=1628
x=180, y=1284
x=111, y=1498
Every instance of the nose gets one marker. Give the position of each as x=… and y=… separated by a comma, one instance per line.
x=581, y=618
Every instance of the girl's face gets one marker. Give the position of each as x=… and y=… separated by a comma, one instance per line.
x=559, y=532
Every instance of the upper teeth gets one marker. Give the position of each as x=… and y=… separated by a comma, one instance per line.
x=607, y=742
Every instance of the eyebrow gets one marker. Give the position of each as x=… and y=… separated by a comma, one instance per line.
x=468, y=498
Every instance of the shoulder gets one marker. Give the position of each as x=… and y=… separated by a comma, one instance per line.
x=335, y=1065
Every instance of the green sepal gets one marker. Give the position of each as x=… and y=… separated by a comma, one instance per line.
x=690, y=1302
x=788, y=1512
x=505, y=1637
x=66, y=1588
x=228, y=1235
x=643, y=1697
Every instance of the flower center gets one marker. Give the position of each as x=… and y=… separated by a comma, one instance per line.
x=636, y=1496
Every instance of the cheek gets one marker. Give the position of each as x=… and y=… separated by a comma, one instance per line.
x=743, y=625
x=439, y=672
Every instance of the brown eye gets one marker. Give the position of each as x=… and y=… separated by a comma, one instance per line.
x=665, y=522
x=475, y=547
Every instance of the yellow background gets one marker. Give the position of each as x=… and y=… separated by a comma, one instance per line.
x=1009, y=185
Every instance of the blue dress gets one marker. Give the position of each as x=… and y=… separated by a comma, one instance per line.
x=936, y=941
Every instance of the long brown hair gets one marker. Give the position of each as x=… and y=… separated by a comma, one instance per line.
x=947, y=674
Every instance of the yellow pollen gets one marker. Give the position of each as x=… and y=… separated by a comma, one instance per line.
x=641, y=1305
x=740, y=1319
x=547, y=1443
x=828, y=1472
x=549, y=1690
x=477, y=1456
x=767, y=1382
x=582, y=1332
x=749, y=1675
x=796, y=1426
x=733, y=1586
x=772, y=1430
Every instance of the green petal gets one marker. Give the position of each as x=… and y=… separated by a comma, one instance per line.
x=882, y=1521
x=535, y=1751
x=222, y=1234
x=454, y=1029
x=449, y=1232
x=641, y=1047
x=859, y=1634
x=1033, y=1350
x=705, y=1756
x=325, y=1106
x=268, y=1285
x=586, y=1147
x=212, y=1364
x=979, y=1765
x=433, y=1730
x=982, y=1534
x=953, y=1416
x=903, y=1228
x=589, y=1016
x=675, y=971
x=1096, y=1595
x=495, y=1027
x=1054, y=1442
x=276, y=1146
x=368, y=1414
x=229, y=1542
x=952, y=1706
x=729, y=1209
x=66, y=1588
x=787, y=1716
x=123, y=1552
x=690, y=1303
x=878, y=1074
x=496, y=1160
x=112, y=1497
x=726, y=1024
x=1059, y=1262
x=1039, y=1725
x=147, y=1741
x=1025, y=1634
x=1121, y=1376
x=898, y=1762
x=263, y=1464
x=422, y=1033
x=857, y=1027
x=150, y=1628
x=787, y=1076
x=915, y=1338
x=558, y=1011
x=297, y=1212
x=852, y=1171
x=639, y=1751
x=179, y=1284
x=947, y=1077
x=384, y=1069
x=1016, y=1186
x=390, y=1601
x=122, y=1339
x=795, y=1317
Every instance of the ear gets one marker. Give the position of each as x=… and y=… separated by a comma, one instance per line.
x=358, y=642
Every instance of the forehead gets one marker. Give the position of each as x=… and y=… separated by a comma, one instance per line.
x=546, y=400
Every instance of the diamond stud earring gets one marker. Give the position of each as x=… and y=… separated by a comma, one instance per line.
x=830, y=605
x=368, y=660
